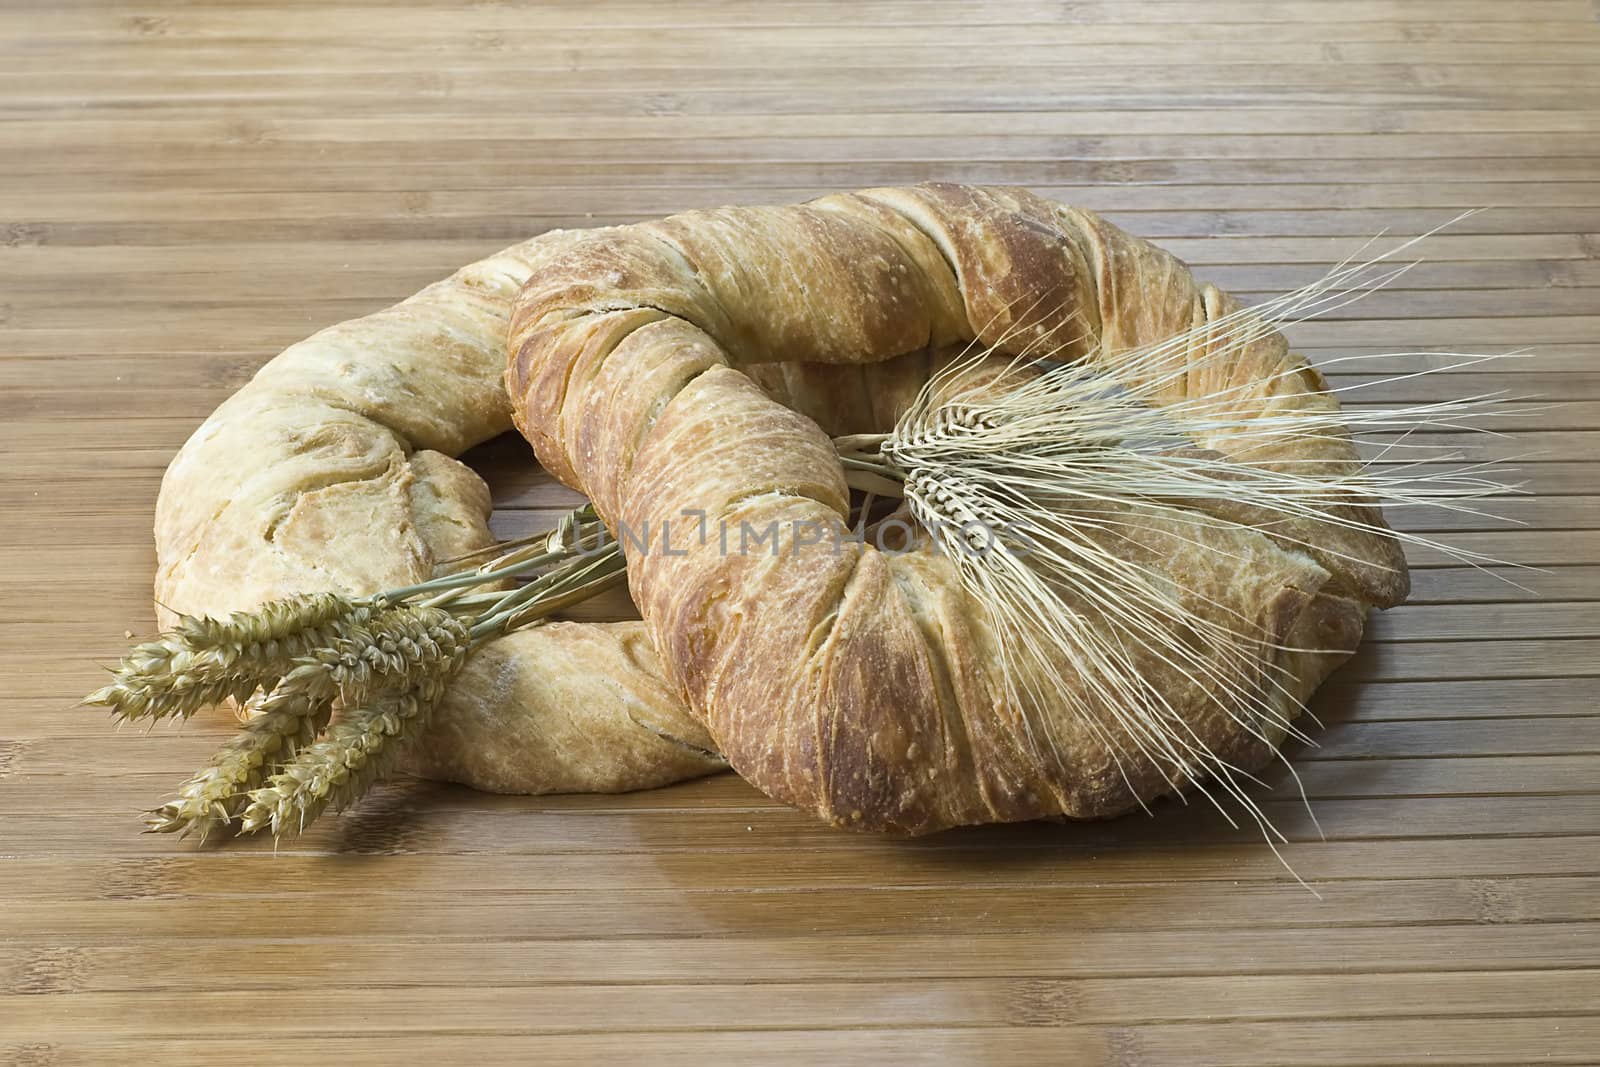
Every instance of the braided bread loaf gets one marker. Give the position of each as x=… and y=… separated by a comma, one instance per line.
x=861, y=685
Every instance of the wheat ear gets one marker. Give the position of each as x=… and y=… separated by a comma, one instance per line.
x=289, y=718
x=202, y=662
x=1061, y=465
x=381, y=662
x=335, y=771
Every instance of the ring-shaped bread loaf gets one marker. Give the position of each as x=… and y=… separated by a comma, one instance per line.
x=859, y=684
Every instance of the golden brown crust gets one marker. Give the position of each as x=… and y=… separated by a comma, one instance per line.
x=574, y=707
x=860, y=685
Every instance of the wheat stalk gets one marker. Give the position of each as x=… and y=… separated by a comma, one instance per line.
x=380, y=662
x=1059, y=465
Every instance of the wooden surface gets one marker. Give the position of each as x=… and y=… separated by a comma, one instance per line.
x=186, y=189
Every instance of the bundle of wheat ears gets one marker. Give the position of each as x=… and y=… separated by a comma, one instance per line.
x=1131, y=531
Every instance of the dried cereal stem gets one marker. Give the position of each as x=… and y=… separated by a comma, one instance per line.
x=384, y=659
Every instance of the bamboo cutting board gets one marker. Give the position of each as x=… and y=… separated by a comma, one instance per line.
x=186, y=188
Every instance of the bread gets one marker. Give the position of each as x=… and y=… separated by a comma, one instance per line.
x=864, y=686
x=333, y=470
